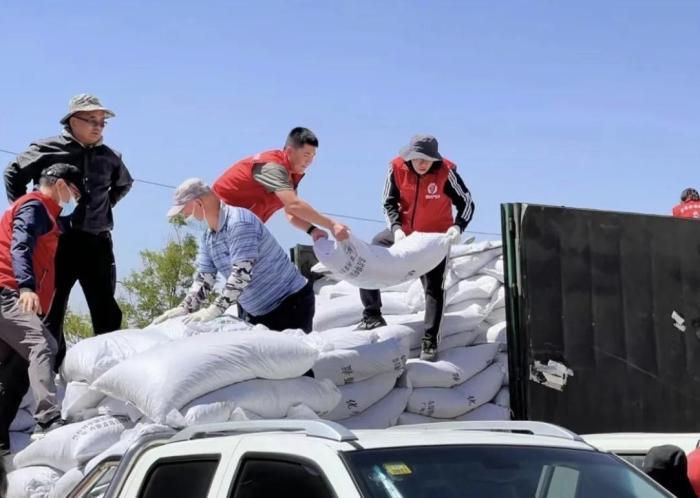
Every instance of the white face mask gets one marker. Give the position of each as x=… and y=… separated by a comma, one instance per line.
x=67, y=207
x=195, y=224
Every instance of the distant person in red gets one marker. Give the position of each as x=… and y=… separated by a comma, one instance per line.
x=694, y=470
x=689, y=206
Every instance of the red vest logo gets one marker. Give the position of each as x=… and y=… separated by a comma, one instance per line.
x=432, y=191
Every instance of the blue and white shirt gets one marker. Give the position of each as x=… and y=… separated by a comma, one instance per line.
x=243, y=237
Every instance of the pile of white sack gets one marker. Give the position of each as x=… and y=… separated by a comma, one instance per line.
x=470, y=379
x=121, y=385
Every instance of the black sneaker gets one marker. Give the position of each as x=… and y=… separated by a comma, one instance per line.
x=428, y=350
x=40, y=430
x=371, y=322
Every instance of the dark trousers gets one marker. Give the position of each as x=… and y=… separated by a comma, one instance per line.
x=295, y=312
x=89, y=260
x=14, y=383
x=433, y=283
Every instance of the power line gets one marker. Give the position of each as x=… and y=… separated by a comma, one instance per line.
x=345, y=216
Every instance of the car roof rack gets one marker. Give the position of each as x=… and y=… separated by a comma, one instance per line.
x=526, y=426
x=324, y=429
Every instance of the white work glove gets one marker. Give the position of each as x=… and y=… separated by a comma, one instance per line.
x=454, y=234
x=399, y=235
x=173, y=313
x=203, y=315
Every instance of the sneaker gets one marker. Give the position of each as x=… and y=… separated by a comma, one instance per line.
x=40, y=430
x=371, y=322
x=428, y=350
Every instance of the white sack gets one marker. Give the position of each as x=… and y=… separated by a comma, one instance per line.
x=117, y=408
x=358, y=397
x=270, y=398
x=415, y=297
x=23, y=421
x=226, y=323
x=347, y=310
x=482, y=304
x=455, y=401
x=470, y=264
x=463, y=319
x=494, y=269
x=72, y=445
x=383, y=414
x=455, y=366
x=322, y=283
x=345, y=366
x=498, y=300
x=472, y=288
x=181, y=371
x=459, y=250
x=375, y=267
x=346, y=337
x=127, y=438
x=503, y=398
x=411, y=328
x=496, y=334
x=497, y=315
x=489, y=411
x=31, y=482
x=458, y=340
x=78, y=400
x=66, y=483
x=502, y=361
x=91, y=357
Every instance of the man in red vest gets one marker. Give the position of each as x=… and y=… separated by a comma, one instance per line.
x=28, y=239
x=689, y=206
x=421, y=189
x=268, y=181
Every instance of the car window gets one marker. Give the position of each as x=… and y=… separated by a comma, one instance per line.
x=496, y=471
x=179, y=478
x=270, y=478
x=95, y=484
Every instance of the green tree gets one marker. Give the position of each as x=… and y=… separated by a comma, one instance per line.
x=76, y=326
x=163, y=281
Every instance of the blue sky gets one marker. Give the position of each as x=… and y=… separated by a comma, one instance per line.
x=589, y=104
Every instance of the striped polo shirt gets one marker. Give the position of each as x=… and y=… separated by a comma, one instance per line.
x=243, y=237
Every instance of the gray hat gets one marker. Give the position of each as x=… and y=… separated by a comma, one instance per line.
x=189, y=190
x=85, y=102
x=421, y=147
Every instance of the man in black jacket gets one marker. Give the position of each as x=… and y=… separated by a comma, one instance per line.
x=85, y=251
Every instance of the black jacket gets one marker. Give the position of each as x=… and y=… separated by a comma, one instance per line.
x=106, y=179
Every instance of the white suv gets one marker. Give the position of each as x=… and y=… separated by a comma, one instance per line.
x=319, y=459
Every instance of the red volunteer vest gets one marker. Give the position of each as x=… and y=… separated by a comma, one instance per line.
x=44, y=252
x=423, y=203
x=688, y=209
x=237, y=187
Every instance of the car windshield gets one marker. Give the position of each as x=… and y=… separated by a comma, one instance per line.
x=496, y=471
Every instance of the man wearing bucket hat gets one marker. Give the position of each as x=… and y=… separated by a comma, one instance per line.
x=85, y=252
x=421, y=189
x=260, y=278
x=29, y=234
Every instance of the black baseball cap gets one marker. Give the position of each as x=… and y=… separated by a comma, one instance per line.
x=67, y=172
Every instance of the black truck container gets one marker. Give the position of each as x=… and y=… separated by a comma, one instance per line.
x=603, y=318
